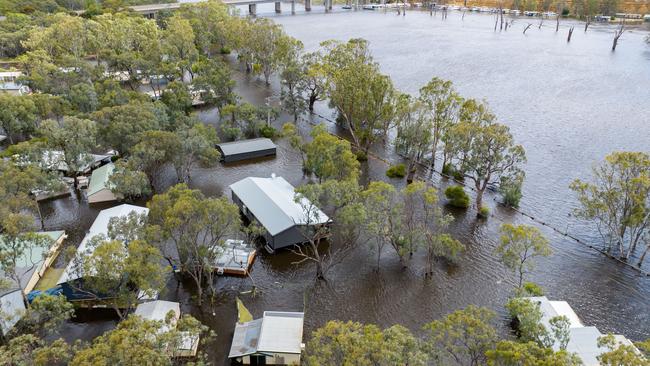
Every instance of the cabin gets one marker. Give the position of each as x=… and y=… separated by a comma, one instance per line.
x=236, y=258
x=275, y=339
x=37, y=259
x=159, y=311
x=12, y=308
x=99, y=227
x=55, y=160
x=583, y=339
x=9, y=83
x=98, y=187
x=271, y=203
x=246, y=149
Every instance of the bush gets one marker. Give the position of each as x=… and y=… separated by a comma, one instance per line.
x=532, y=289
x=484, y=212
x=448, y=169
x=457, y=196
x=565, y=12
x=361, y=156
x=510, y=189
x=396, y=171
x=451, y=171
x=268, y=132
x=224, y=51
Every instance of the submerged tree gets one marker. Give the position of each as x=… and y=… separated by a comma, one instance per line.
x=617, y=200
x=518, y=248
x=197, y=228
x=330, y=157
x=485, y=150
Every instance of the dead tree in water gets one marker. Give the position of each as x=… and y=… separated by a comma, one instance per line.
x=587, y=22
x=617, y=35
x=463, y=17
x=568, y=39
x=528, y=26
x=557, y=22
x=541, y=21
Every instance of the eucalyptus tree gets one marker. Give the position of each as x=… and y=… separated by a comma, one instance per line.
x=414, y=131
x=271, y=47
x=294, y=87
x=617, y=200
x=368, y=112
x=315, y=78
x=178, y=45
x=213, y=82
x=120, y=126
x=196, y=227
x=197, y=148
x=484, y=150
x=518, y=248
x=330, y=157
x=17, y=115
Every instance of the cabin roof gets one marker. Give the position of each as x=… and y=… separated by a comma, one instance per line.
x=245, y=146
x=272, y=201
x=157, y=310
x=100, y=227
x=99, y=179
x=32, y=259
x=275, y=332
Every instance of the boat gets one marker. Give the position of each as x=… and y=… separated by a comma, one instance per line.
x=372, y=6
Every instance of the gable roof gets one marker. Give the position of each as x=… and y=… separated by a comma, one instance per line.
x=99, y=179
x=100, y=227
x=244, y=146
x=272, y=202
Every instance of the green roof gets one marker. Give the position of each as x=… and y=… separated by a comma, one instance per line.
x=99, y=179
x=35, y=255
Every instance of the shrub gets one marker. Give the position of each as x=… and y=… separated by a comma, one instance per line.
x=451, y=171
x=565, y=12
x=361, y=156
x=224, y=51
x=268, y=132
x=396, y=171
x=510, y=188
x=457, y=196
x=484, y=212
x=532, y=289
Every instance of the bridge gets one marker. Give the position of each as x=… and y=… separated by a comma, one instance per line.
x=151, y=10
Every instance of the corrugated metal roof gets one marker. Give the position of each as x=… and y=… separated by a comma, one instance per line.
x=281, y=332
x=244, y=146
x=157, y=310
x=272, y=201
x=99, y=179
x=100, y=227
x=245, y=339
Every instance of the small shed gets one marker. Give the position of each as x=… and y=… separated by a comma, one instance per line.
x=33, y=264
x=12, y=307
x=271, y=203
x=236, y=258
x=275, y=339
x=98, y=188
x=246, y=149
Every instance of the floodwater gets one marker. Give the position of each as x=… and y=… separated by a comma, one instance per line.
x=569, y=105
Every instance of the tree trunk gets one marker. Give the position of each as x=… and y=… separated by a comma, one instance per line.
x=479, y=198
x=312, y=100
x=647, y=248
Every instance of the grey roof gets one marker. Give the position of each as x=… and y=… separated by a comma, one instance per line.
x=275, y=332
x=272, y=201
x=244, y=146
x=584, y=342
x=244, y=341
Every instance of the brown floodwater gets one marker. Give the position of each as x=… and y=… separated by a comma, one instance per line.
x=604, y=293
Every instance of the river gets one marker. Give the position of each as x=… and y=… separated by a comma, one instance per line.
x=569, y=105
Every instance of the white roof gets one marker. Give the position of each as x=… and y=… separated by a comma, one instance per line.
x=100, y=227
x=281, y=332
x=551, y=309
x=272, y=201
x=12, y=308
x=55, y=159
x=158, y=310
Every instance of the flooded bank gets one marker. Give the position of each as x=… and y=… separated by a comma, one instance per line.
x=564, y=127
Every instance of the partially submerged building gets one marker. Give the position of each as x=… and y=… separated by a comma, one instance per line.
x=99, y=227
x=583, y=339
x=246, y=149
x=275, y=339
x=98, y=188
x=9, y=83
x=37, y=259
x=271, y=202
x=160, y=310
x=55, y=160
x=236, y=258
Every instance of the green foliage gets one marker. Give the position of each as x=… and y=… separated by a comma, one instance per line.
x=519, y=246
x=28, y=349
x=339, y=343
x=532, y=289
x=127, y=182
x=330, y=157
x=17, y=115
x=484, y=212
x=509, y=353
x=396, y=171
x=510, y=188
x=457, y=196
x=528, y=316
x=617, y=200
x=462, y=337
x=619, y=353
x=75, y=137
x=268, y=131
x=180, y=216
x=121, y=126
x=45, y=315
